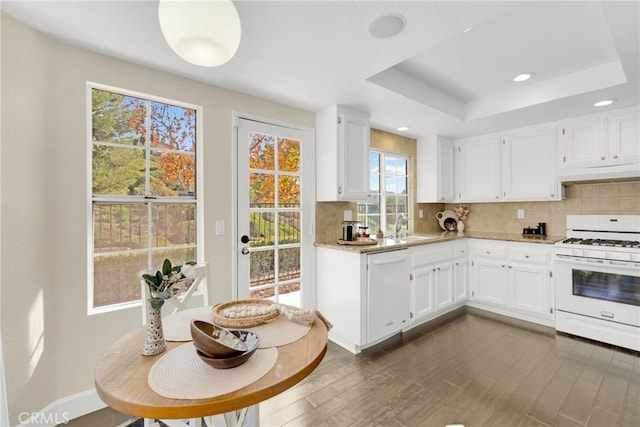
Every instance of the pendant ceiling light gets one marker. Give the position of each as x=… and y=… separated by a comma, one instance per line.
x=204, y=32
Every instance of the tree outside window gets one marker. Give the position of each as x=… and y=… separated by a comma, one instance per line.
x=143, y=175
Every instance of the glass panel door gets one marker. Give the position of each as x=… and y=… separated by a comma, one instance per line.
x=274, y=196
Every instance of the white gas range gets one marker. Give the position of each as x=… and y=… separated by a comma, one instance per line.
x=597, y=271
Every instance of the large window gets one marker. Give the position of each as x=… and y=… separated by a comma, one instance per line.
x=143, y=197
x=388, y=202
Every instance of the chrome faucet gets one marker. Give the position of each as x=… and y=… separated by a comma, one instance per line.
x=399, y=221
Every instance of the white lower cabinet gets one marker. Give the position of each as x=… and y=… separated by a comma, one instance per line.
x=512, y=278
x=438, y=285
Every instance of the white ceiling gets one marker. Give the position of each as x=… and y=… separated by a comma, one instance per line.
x=432, y=77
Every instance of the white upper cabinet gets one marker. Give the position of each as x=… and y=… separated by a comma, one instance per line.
x=604, y=146
x=435, y=170
x=584, y=143
x=624, y=138
x=529, y=167
x=478, y=172
x=342, y=154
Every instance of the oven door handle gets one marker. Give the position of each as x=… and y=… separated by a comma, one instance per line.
x=630, y=266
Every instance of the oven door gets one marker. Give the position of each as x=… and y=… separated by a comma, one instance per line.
x=601, y=289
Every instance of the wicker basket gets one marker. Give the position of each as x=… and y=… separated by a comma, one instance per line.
x=247, y=321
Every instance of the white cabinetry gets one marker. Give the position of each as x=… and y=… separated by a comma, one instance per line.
x=477, y=166
x=438, y=284
x=512, y=278
x=366, y=297
x=387, y=294
x=529, y=165
x=435, y=170
x=342, y=154
x=460, y=277
x=604, y=146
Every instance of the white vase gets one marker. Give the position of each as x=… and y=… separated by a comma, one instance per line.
x=460, y=227
x=154, y=342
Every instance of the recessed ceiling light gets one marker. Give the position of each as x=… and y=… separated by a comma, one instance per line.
x=466, y=30
x=403, y=128
x=604, y=102
x=387, y=26
x=523, y=77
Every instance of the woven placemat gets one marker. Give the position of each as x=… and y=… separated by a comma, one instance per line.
x=176, y=326
x=279, y=332
x=180, y=374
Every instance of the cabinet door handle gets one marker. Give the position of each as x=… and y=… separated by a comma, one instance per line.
x=510, y=266
x=503, y=266
x=615, y=156
x=526, y=256
x=602, y=157
x=488, y=252
x=339, y=189
x=438, y=268
x=553, y=195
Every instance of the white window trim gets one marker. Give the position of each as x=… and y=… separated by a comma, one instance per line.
x=91, y=310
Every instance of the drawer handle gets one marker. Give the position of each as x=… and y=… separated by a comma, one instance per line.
x=526, y=256
x=488, y=252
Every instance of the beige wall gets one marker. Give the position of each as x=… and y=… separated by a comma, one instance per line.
x=50, y=344
x=605, y=198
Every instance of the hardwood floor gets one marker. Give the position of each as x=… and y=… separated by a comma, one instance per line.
x=477, y=370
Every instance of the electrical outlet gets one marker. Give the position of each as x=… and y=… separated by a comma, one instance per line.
x=420, y=213
x=347, y=215
x=520, y=213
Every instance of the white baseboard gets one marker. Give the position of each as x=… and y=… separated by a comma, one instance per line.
x=63, y=410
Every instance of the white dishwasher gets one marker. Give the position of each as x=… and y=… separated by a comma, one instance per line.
x=388, y=294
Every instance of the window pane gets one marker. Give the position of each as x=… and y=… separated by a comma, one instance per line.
x=390, y=166
x=288, y=155
x=173, y=127
x=118, y=171
x=401, y=165
x=289, y=264
x=288, y=191
x=116, y=278
x=390, y=185
x=172, y=174
x=119, y=227
x=374, y=162
x=401, y=185
x=261, y=151
x=261, y=190
x=118, y=118
x=262, y=270
x=177, y=257
x=262, y=229
x=374, y=183
x=173, y=225
x=289, y=227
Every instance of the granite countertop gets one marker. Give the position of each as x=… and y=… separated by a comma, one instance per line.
x=425, y=239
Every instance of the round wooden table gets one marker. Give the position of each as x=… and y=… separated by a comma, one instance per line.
x=121, y=378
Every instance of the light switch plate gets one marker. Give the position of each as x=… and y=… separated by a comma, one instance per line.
x=420, y=213
x=219, y=228
x=520, y=213
x=347, y=215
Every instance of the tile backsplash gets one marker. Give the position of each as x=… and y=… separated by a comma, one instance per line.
x=604, y=198
x=600, y=198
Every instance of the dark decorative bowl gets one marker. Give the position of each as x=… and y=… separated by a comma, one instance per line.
x=214, y=341
x=221, y=362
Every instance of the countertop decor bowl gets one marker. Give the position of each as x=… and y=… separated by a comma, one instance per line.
x=216, y=341
x=252, y=342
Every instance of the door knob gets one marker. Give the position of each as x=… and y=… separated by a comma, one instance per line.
x=244, y=239
x=245, y=251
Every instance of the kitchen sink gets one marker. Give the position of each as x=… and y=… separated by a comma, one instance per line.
x=414, y=238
